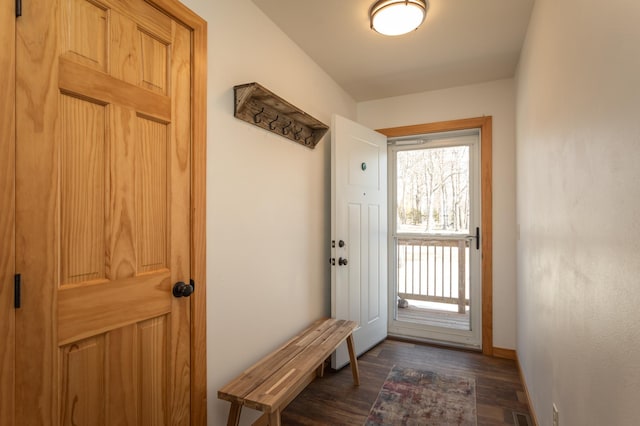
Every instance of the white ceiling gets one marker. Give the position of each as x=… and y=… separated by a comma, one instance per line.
x=461, y=42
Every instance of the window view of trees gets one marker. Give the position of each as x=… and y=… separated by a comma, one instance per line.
x=433, y=190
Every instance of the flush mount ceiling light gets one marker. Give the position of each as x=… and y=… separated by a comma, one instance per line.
x=396, y=17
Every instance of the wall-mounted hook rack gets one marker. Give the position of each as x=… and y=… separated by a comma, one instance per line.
x=260, y=107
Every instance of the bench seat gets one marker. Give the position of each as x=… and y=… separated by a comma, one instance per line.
x=272, y=383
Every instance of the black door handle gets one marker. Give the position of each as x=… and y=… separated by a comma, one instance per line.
x=181, y=289
x=342, y=261
x=477, y=238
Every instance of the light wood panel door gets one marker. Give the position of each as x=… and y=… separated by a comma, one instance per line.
x=103, y=214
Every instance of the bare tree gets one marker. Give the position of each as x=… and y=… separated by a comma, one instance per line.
x=433, y=188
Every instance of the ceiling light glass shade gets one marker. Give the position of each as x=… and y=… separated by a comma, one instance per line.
x=396, y=17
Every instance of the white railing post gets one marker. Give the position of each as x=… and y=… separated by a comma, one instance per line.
x=462, y=248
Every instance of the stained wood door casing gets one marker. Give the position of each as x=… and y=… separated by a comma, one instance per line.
x=485, y=124
x=7, y=223
x=103, y=213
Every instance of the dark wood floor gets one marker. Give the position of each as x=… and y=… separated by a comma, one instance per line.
x=334, y=400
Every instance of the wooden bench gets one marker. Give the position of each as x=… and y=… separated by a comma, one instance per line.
x=272, y=383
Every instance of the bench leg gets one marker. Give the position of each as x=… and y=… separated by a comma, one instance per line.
x=263, y=420
x=354, y=360
x=274, y=418
x=320, y=370
x=268, y=419
x=234, y=414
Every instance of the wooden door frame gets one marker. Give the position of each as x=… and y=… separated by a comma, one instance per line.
x=7, y=214
x=485, y=125
x=198, y=27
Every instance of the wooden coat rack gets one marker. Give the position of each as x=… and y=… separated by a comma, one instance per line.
x=261, y=107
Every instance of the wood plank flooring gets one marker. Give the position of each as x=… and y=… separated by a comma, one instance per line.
x=334, y=400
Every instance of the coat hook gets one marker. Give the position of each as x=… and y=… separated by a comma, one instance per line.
x=285, y=129
x=296, y=133
x=307, y=139
x=255, y=117
x=271, y=126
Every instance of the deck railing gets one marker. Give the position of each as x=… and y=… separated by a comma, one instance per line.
x=434, y=270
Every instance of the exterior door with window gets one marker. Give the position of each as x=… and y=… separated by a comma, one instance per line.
x=435, y=256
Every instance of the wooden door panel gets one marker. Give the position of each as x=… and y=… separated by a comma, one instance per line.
x=153, y=360
x=82, y=382
x=105, y=195
x=151, y=194
x=154, y=55
x=83, y=158
x=86, y=37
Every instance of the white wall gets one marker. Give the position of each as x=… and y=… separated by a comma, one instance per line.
x=495, y=99
x=578, y=161
x=267, y=197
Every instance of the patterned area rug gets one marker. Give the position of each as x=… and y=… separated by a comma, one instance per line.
x=416, y=397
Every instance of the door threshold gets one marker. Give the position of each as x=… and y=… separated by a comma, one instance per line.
x=433, y=342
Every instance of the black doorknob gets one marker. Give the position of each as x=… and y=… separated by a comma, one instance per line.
x=342, y=261
x=181, y=289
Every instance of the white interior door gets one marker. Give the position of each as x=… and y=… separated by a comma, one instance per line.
x=358, y=232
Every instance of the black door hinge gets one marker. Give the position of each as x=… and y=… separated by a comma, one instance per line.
x=18, y=8
x=477, y=238
x=17, y=282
